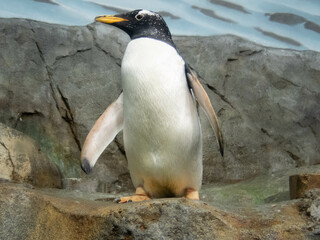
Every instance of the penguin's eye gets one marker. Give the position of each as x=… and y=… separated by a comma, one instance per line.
x=139, y=16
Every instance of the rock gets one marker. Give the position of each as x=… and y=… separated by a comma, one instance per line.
x=310, y=205
x=300, y=184
x=56, y=81
x=42, y=98
x=264, y=189
x=81, y=184
x=28, y=101
x=39, y=214
x=21, y=160
x=314, y=210
x=267, y=102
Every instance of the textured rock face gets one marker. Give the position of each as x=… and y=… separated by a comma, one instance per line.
x=267, y=101
x=300, y=184
x=53, y=88
x=28, y=101
x=55, y=81
x=21, y=160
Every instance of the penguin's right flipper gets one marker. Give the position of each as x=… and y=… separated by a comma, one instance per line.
x=109, y=124
x=204, y=101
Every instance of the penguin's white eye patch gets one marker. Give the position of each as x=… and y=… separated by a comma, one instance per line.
x=139, y=16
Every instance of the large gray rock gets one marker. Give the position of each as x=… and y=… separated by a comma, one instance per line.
x=21, y=160
x=268, y=103
x=28, y=100
x=311, y=206
x=41, y=214
x=55, y=81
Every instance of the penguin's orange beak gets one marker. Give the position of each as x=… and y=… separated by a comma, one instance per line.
x=110, y=19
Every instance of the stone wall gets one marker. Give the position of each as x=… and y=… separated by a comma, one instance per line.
x=55, y=81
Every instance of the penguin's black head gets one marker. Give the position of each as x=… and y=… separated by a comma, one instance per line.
x=140, y=23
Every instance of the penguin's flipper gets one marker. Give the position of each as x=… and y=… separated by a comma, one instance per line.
x=203, y=99
x=109, y=124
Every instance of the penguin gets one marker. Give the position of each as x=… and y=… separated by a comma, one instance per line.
x=157, y=112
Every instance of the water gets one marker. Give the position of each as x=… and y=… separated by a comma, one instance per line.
x=286, y=24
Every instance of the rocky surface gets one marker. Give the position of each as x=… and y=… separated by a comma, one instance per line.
x=21, y=160
x=28, y=213
x=56, y=80
x=302, y=183
x=264, y=189
x=267, y=101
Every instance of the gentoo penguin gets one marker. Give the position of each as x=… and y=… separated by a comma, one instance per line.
x=157, y=112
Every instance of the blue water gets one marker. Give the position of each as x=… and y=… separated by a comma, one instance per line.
x=245, y=18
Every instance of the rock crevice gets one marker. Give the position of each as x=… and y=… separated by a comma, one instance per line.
x=12, y=168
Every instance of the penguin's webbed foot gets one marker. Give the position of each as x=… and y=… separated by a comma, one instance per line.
x=134, y=198
x=139, y=196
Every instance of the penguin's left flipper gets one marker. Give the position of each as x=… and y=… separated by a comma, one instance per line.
x=204, y=101
x=109, y=124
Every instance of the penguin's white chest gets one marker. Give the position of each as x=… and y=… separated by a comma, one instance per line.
x=162, y=134
x=150, y=64
x=154, y=84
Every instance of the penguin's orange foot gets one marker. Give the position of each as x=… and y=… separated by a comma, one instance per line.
x=134, y=198
x=139, y=196
x=192, y=194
